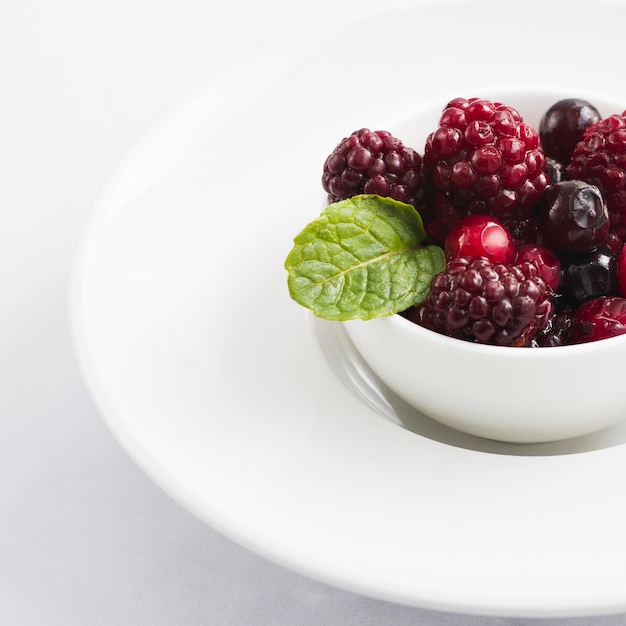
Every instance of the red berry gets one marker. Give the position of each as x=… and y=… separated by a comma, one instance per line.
x=483, y=158
x=480, y=236
x=547, y=263
x=600, y=159
x=599, y=318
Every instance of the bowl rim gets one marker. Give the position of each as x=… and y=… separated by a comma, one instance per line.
x=420, y=333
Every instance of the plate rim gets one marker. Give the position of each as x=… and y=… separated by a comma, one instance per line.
x=151, y=466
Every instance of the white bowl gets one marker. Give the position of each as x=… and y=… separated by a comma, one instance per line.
x=510, y=394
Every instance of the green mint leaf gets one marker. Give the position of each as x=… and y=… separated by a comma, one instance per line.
x=362, y=258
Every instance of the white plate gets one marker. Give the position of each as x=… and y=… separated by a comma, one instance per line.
x=262, y=420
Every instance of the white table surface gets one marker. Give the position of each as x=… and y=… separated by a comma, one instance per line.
x=85, y=537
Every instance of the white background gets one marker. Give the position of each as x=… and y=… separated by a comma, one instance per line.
x=85, y=537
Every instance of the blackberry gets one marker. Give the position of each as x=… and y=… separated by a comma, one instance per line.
x=373, y=162
x=483, y=158
x=600, y=159
x=492, y=303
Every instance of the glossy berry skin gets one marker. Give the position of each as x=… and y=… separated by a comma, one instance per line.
x=491, y=303
x=600, y=318
x=480, y=236
x=621, y=271
x=600, y=159
x=483, y=158
x=547, y=263
x=562, y=127
x=555, y=170
x=373, y=162
x=589, y=275
x=558, y=330
x=572, y=217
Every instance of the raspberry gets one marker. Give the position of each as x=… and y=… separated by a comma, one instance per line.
x=492, y=303
x=483, y=158
x=600, y=159
x=373, y=162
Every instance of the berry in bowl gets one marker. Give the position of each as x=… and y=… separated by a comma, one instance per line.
x=481, y=275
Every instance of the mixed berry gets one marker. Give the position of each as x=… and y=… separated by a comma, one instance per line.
x=373, y=162
x=532, y=221
x=482, y=159
x=496, y=303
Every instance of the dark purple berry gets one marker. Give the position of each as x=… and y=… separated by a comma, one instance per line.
x=491, y=303
x=373, y=162
x=589, y=275
x=558, y=330
x=555, y=170
x=523, y=231
x=562, y=127
x=572, y=217
x=418, y=315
